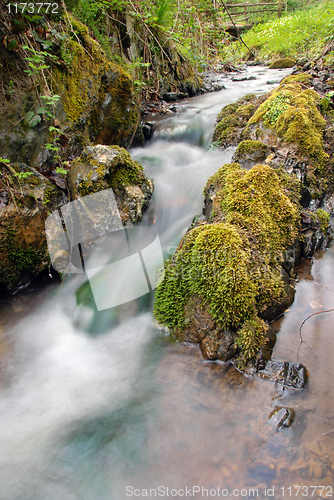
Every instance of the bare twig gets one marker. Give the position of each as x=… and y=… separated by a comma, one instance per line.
x=318, y=284
x=150, y=32
x=302, y=341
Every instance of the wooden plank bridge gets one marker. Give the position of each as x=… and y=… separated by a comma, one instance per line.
x=243, y=15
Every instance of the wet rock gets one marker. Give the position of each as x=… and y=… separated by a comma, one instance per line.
x=198, y=321
x=318, y=85
x=4, y=198
x=302, y=61
x=213, y=86
x=243, y=78
x=148, y=130
x=287, y=375
x=23, y=250
x=281, y=417
x=292, y=257
x=324, y=75
x=102, y=167
x=307, y=66
x=219, y=344
x=266, y=350
x=329, y=205
x=315, y=232
x=215, y=343
x=174, y=96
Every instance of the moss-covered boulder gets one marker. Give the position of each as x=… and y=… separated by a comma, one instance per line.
x=103, y=167
x=285, y=62
x=250, y=153
x=232, y=121
x=97, y=95
x=233, y=264
x=27, y=198
x=292, y=113
x=97, y=101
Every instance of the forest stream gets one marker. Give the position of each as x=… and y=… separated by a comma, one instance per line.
x=95, y=405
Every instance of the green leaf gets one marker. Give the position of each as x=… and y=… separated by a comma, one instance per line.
x=28, y=117
x=13, y=45
x=35, y=120
x=41, y=110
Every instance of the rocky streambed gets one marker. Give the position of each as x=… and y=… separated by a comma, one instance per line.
x=108, y=401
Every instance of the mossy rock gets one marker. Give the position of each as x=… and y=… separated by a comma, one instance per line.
x=285, y=62
x=232, y=121
x=103, y=167
x=292, y=113
x=304, y=78
x=97, y=95
x=249, y=153
x=23, y=248
x=234, y=263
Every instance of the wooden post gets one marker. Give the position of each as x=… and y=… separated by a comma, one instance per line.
x=279, y=12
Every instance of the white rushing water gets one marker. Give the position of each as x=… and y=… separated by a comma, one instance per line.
x=93, y=402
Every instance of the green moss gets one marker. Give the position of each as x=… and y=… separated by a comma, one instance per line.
x=214, y=264
x=88, y=82
x=250, y=147
x=232, y=119
x=124, y=171
x=300, y=78
x=293, y=112
x=323, y=219
x=233, y=265
x=227, y=110
x=285, y=62
x=251, y=337
x=246, y=111
x=22, y=258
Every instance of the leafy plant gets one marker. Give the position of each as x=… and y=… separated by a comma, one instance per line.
x=36, y=61
x=51, y=147
x=327, y=101
x=61, y=171
x=22, y=175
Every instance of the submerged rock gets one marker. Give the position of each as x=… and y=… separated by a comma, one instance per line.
x=281, y=417
x=102, y=167
x=287, y=375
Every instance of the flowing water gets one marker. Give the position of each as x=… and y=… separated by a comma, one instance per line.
x=102, y=406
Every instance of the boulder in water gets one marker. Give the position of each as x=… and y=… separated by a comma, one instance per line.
x=103, y=167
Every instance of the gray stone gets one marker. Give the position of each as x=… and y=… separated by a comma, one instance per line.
x=287, y=375
x=281, y=417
